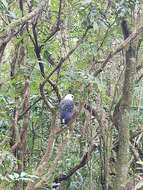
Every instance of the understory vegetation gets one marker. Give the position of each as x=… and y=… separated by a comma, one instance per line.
x=89, y=48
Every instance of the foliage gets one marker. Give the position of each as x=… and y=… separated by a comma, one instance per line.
x=76, y=38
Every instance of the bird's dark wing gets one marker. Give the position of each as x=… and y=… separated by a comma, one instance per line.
x=66, y=110
x=66, y=105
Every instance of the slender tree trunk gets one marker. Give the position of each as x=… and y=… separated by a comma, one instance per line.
x=122, y=115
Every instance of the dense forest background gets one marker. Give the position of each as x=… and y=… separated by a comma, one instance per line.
x=92, y=49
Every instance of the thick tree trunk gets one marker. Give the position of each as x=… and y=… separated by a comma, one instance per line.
x=122, y=116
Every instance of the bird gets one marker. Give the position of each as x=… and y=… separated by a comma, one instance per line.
x=66, y=108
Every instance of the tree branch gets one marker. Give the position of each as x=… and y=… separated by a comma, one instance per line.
x=56, y=28
x=122, y=46
x=86, y=157
x=9, y=32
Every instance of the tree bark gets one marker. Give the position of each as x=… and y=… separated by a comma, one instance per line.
x=10, y=31
x=121, y=114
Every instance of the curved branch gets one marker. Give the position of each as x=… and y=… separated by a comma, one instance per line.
x=86, y=157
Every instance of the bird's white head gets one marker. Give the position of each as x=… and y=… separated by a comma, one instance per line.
x=69, y=97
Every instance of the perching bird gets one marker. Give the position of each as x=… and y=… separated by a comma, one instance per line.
x=66, y=109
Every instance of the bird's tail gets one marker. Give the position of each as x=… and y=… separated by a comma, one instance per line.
x=62, y=121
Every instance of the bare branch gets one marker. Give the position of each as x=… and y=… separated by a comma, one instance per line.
x=62, y=60
x=9, y=32
x=123, y=45
x=23, y=131
x=57, y=27
x=86, y=157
